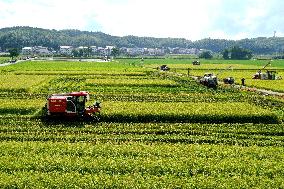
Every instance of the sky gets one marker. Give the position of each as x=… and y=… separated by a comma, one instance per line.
x=190, y=19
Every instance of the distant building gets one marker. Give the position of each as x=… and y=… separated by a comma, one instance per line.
x=108, y=50
x=110, y=47
x=40, y=50
x=82, y=47
x=101, y=51
x=65, y=50
x=94, y=49
x=135, y=51
x=36, y=50
x=155, y=52
x=27, y=51
x=179, y=50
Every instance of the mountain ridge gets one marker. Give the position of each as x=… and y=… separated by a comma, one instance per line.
x=20, y=36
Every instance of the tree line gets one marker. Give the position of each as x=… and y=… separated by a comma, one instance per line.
x=18, y=37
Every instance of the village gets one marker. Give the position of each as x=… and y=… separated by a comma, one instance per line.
x=88, y=51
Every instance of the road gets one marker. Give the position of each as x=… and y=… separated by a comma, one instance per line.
x=262, y=91
x=8, y=63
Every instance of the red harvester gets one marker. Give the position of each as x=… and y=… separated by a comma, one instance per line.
x=71, y=105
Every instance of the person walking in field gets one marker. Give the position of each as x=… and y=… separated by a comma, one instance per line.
x=243, y=81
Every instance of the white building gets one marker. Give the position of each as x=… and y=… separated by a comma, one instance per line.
x=27, y=50
x=94, y=49
x=136, y=51
x=65, y=50
x=82, y=47
x=41, y=50
x=155, y=52
x=108, y=50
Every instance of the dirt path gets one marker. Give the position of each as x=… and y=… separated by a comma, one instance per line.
x=262, y=91
x=8, y=63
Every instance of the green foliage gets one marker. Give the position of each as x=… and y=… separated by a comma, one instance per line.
x=206, y=55
x=3, y=60
x=226, y=54
x=237, y=53
x=144, y=139
x=18, y=37
x=14, y=52
x=83, y=52
x=115, y=52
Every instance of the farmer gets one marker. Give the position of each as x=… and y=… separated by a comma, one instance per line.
x=243, y=81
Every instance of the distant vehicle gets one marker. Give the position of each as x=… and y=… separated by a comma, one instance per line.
x=268, y=75
x=196, y=62
x=164, y=68
x=229, y=80
x=13, y=61
x=210, y=80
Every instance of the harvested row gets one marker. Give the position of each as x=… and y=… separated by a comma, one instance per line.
x=117, y=133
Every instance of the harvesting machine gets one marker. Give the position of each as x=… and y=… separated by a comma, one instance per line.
x=196, y=62
x=228, y=80
x=164, y=68
x=71, y=105
x=209, y=80
x=269, y=75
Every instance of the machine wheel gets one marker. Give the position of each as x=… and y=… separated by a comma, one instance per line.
x=44, y=111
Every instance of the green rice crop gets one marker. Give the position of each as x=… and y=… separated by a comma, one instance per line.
x=187, y=112
x=157, y=129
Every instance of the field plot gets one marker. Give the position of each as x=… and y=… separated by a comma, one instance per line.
x=187, y=112
x=4, y=60
x=234, y=68
x=275, y=85
x=21, y=83
x=215, y=64
x=157, y=130
x=142, y=155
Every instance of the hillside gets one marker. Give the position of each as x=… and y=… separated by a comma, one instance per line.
x=28, y=36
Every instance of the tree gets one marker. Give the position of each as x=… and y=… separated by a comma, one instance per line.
x=237, y=53
x=115, y=52
x=226, y=54
x=14, y=52
x=206, y=55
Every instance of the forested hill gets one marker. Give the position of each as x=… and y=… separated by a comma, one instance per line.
x=18, y=37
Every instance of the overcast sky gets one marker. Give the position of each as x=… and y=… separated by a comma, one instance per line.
x=190, y=19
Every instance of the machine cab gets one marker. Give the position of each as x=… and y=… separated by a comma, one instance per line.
x=68, y=103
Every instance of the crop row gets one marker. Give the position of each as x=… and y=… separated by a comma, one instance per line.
x=131, y=165
x=116, y=133
x=187, y=112
x=167, y=107
x=149, y=82
x=123, y=111
x=72, y=66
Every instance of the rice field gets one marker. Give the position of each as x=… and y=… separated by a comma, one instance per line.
x=157, y=130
